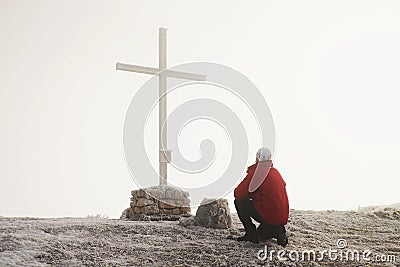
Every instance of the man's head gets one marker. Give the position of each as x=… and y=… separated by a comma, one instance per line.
x=263, y=154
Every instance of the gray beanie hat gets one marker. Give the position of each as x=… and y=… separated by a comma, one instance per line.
x=263, y=154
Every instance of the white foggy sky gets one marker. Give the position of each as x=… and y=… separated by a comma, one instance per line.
x=329, y=71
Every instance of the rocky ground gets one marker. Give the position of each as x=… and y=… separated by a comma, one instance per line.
x=106, y=242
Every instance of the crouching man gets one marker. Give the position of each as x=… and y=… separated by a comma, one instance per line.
x=262, y=196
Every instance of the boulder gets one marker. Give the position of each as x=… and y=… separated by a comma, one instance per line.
x=213, y=213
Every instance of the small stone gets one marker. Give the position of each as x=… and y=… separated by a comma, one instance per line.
x=164, y=205
x=176, y=211
x=130, y=213
x=142, y=193
x=136, y=210
x=166, y=211
x=142, y=202
x=150, y=210
x=185, y=209
x=134, y=193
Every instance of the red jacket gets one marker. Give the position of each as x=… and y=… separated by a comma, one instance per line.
x=270, y=199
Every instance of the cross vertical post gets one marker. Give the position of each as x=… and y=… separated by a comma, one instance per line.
x=162, y=133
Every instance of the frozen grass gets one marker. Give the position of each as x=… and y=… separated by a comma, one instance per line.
x=98, y=241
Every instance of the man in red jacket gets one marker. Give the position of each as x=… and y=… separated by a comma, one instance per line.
x=262, y=196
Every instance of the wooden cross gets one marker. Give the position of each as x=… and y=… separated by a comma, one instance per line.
x=164, y=154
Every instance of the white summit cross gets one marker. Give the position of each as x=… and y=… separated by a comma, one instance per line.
x=164, y=154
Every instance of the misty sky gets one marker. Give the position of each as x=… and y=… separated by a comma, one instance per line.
x=329, y=71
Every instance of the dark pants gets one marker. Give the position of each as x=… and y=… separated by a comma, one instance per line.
x=246, y=211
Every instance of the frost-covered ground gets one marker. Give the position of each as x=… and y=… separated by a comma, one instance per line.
x=105, y=242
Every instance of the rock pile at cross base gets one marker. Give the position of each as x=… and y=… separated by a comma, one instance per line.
x=158, y=203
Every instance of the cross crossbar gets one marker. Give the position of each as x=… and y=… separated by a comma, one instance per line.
x=166, y=72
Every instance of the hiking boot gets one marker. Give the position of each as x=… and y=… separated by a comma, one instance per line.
x=264, y=233
x=282, y=240
x=247, y=237
x=264, y=237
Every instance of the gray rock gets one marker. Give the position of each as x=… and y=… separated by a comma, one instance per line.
x=213, y=213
